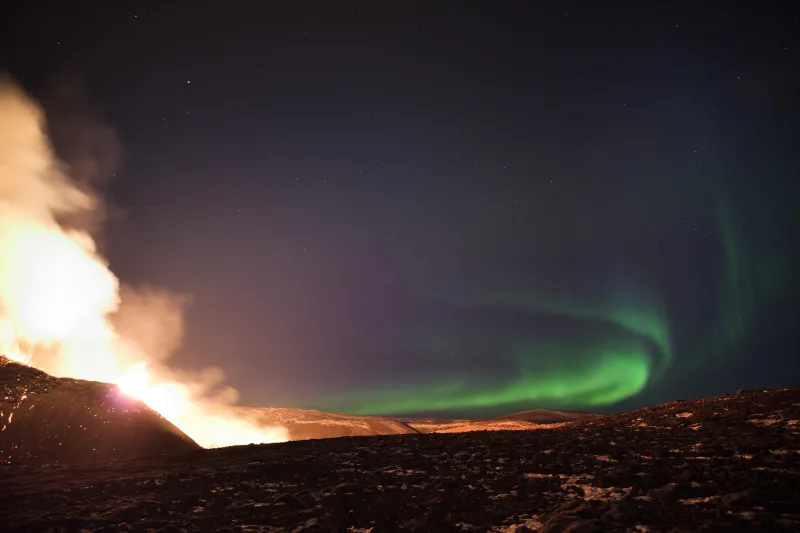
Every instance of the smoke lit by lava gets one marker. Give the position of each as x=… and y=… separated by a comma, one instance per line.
x=64, y=311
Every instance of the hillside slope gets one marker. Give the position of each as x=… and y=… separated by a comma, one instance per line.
x=312, y=424
x=47, y=419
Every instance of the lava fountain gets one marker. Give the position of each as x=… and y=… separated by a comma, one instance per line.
x=64, y=311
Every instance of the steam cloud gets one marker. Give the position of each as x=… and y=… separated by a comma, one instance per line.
x=57, y=294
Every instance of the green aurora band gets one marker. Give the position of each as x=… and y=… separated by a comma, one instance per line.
x=561, y=373
x=570, y=373
x=607, y=373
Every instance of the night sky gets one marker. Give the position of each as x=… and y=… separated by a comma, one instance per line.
x=461, y=211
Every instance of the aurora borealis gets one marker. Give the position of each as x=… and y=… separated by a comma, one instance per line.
x=581, y=370
x=462, y=212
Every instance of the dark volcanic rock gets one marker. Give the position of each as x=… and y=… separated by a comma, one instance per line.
x=47, y=420
x=716, y=464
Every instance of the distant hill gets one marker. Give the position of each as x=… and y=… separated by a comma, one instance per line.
x=47, y=419
x=523, y=420
x=546, y=416
x=311, y=424
x=462, y=426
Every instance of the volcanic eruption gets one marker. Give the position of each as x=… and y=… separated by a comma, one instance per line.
x=64, y=311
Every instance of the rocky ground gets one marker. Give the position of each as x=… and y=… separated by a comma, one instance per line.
x=720, y=464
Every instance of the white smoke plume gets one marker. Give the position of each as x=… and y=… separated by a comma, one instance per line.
x=58, y=297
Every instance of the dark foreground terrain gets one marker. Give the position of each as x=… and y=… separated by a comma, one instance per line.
x=730, y=463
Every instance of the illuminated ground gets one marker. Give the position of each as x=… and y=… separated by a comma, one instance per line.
x=311, y=424
x=720, y=464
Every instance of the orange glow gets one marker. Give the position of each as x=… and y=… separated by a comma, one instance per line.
x=58, y=295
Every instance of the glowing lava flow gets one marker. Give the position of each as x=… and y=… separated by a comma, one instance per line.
x=164, y=398
x=58, y=295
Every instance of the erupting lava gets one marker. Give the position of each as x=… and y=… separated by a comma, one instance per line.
x=64, y=311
